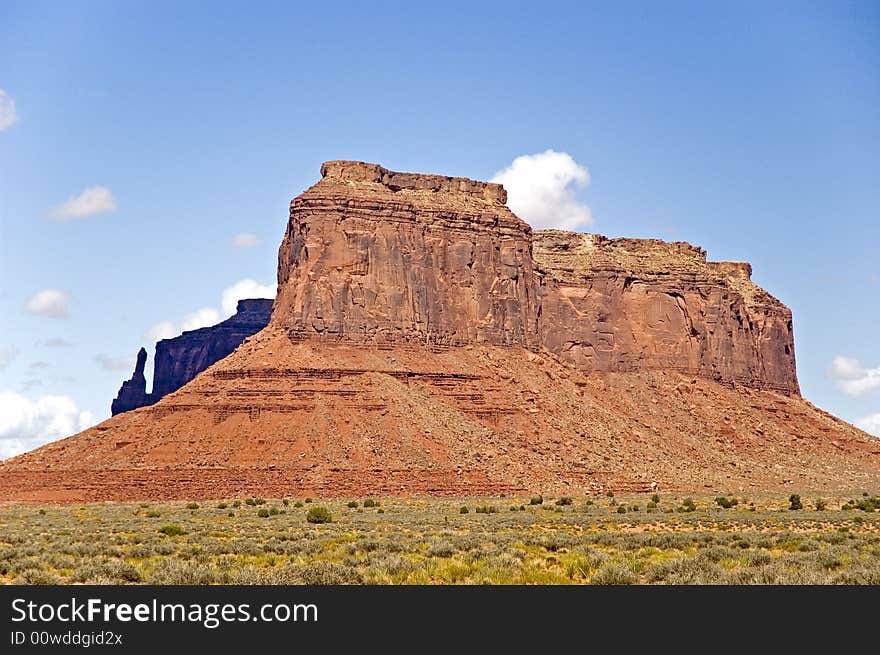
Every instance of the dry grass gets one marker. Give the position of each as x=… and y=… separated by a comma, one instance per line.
x=429, y=541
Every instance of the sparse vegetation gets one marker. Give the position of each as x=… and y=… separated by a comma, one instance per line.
x=319, y=514
x=795, y=502
x=427, y=541
x=192, y=505
x=565, y=500
x=688, y=505
x=352, y=503
x=536, y=500
x=172, y=530
x=725, y=502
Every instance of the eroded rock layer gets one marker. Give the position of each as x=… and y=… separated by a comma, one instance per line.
x=641, y=304
x=373, y=256
x=419, y=346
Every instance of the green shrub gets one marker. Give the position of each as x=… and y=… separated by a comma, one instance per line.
x=794, y=502
x=308, y=500
x=192, y=506
x=153, y=514
x=725, y=502
x=222, y=505
x=172, y=530
x=514, y=508
x=231, y=514
x=565, y=500
x=298, y=503
x=655, y=499
x=609, y=493
x=42, y=511
x=536, y=500
x=651, y=506
x=463, y=510
x=250, y=501
x=259, y=501
x=236, y=503
x=380, y=511
x=285, y=501
x=369, y=502
x=486, y=509
x=687, y=505
x=263, y=513
x=869, y=504
x=621, y=509
x=352, y=503
x=588, y=502
x=821, y=505
x=319, y=515
x=274, y=511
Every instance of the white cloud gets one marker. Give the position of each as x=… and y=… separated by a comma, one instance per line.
x=242, y=290
x=25, y=424
x=853, y=377
x=109, y=363
x=245, y=240
x=207, y=316
x=870, y=424
x=94, y=200
x=161, y=330
x=6, y=357
x=200, y=318
x=8, y=115
x=49, y=302
x=540, y=190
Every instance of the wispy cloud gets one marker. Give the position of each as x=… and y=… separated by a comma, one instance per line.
x=853, y=377
x=92, y=201
x=39, y=364
x=56, y=342
x=51, y=303
x=540, y=190
x=245, y=240
x=110, y=363
x=8, y=115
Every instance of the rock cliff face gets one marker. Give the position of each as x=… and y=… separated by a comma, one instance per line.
x=179, y=360
x=423, y=341
x=374, y=256
x=638, y=304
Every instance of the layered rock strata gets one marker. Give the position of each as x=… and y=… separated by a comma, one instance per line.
x=425, y=342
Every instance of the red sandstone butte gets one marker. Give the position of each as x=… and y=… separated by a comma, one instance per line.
x=425, y=341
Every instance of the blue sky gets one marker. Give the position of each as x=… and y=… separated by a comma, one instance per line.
x=750, y=129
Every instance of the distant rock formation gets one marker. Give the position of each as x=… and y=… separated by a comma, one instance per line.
x=179, y=360
x=425, y=341
x=133, y=393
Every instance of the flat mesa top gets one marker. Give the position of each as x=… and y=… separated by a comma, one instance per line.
x=358, y=171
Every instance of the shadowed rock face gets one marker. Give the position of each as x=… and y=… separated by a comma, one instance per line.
x=179, y=360
x=133, y=393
